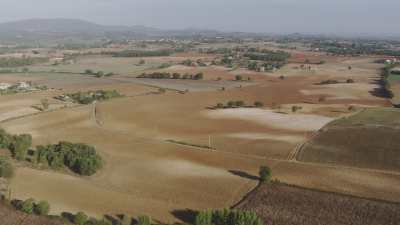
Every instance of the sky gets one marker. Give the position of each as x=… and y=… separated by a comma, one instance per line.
x=352, y=17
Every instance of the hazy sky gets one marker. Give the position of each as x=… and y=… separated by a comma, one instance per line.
x=273, y=16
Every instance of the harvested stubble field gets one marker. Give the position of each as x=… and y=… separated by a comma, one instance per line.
x=281, y=204
x=368, y=139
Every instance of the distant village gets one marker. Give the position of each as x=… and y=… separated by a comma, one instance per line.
x=19, y=87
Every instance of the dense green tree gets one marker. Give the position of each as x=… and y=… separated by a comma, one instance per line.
x=28, y=206
x=80, y=218
x=126, y=220
x=258, y=104
x=204, y=218
x=42, y=208
x=265, y=174
x=6, y=168
x=20, y=145
x=144, y=220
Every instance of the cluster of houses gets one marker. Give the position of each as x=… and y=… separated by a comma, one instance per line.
x=18, y=87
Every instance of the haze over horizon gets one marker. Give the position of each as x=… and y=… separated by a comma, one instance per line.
x=341, y=17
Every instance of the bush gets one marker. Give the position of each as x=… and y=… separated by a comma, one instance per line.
x=126, y=220
x=238, y=78
x=296, y=108
x=6, y=168
x=19, y=146
x=144, y=220
x=258, y=104
x=220, y=106
x=80, y=218
x=42, y=208
x=265, y=174
x=28, y=206
x=239, y=103
x=204, y=218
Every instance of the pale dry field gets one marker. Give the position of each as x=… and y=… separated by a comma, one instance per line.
x=144, y=174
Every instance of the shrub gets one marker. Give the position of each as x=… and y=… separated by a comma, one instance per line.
x=6, y=168
x=42, y=208
x=126, y=220
x=265, y=174
x=258, y=104
x=144, y=220
x=19, y=146
x=227, y=217
x=231, y=104
x=296, y=108
x=28, y=206
x=239, y=103
x=349, y=81
x=204, y=218
x=80, y=218
x=238, y=78
x=220, y=106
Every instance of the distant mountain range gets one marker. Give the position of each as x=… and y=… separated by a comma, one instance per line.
x=50, y=29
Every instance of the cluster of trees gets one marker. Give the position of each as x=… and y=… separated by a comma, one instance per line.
x=240, y=78
x=17, y=144
x=395, y=72
x=237, y=104
x=355, y=48
x=140, y=53
x=24, y=61
x=227, y=217
x=79, y=158
x=6, y=168
x=329, y=81
x=189, y=62
x=165, y=75
x=265, y=55
x=98, y=73
x=91, y=96
x=385, y=82
x=267, y=66
x=29, y=206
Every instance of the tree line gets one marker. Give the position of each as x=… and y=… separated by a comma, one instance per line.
x=166, y=75
x=271, y=56
x=227, y=217
x=98, y=74
x=91, y=96
x=141, y=53
x=385, y=82
x=238, y=104
x=24, y=61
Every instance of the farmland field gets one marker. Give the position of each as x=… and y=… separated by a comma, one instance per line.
x=167, y=147
x=280, y=204
x=368, y=139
